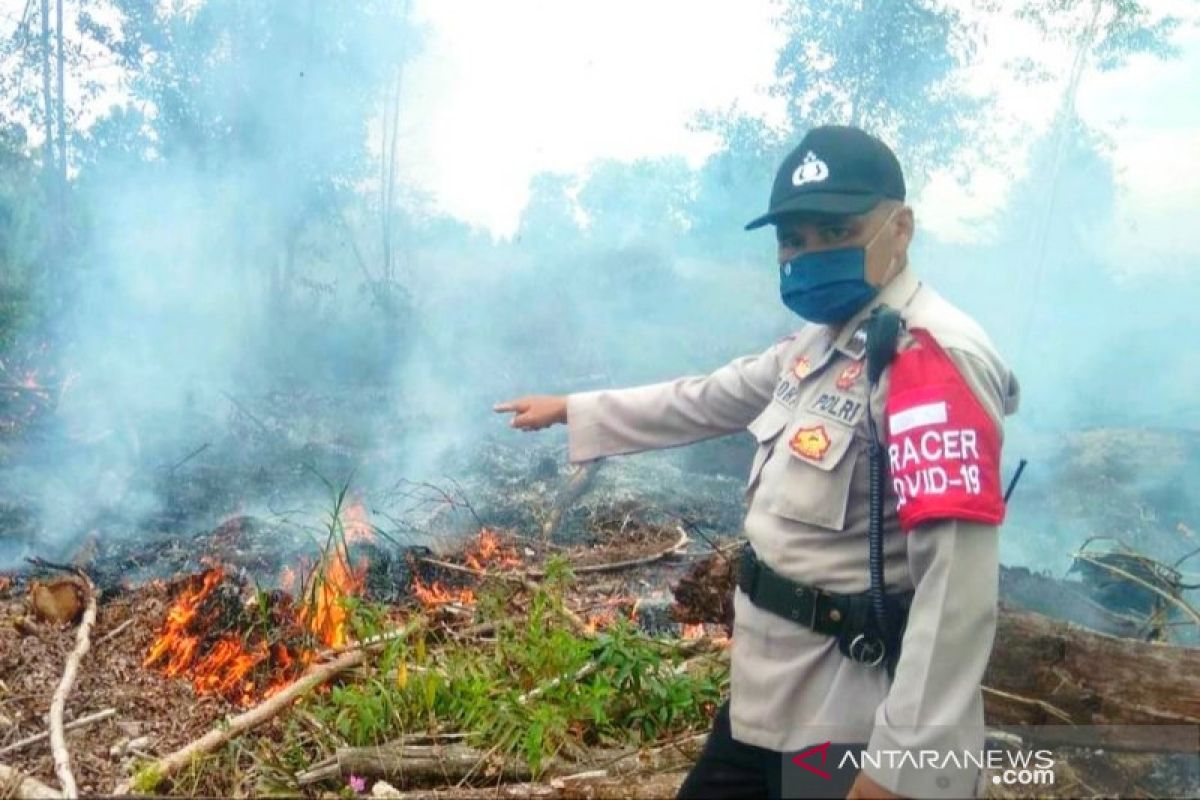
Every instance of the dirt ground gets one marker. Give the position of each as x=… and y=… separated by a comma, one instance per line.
x=148, y=705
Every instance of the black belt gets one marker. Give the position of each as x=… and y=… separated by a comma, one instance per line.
x=846, y=616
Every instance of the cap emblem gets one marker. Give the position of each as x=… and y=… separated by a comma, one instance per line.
x=811, y=170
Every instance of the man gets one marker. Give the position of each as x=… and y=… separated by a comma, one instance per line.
x=809, y=672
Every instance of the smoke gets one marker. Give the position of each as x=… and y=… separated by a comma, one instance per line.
x=251, y=307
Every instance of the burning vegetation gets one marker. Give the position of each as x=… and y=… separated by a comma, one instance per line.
x=268, y=668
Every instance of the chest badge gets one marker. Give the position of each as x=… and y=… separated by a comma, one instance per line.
x=849, y=375
x=802, y=368
x=811, y=442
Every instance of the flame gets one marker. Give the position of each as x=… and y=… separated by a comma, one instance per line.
x=490, y=551
x=609, y=612
x=331, y=581
x=223, y=668
x=176, y=642
x=435, y=594
x=225, y=664
x=692, y=631
x=487, y=552
x=601, y=619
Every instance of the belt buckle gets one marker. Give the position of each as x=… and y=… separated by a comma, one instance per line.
x=863, y=650
x=816, y=604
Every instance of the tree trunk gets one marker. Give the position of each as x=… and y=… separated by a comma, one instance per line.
x=601, y=787
x=47, y=104
x=1091, y=679
x=61, y=106
x=433, y=765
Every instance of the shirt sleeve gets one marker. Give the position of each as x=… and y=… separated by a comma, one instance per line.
x=618, y=421
x=935, y=701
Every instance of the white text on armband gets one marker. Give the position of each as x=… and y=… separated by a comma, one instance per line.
x=934, y=463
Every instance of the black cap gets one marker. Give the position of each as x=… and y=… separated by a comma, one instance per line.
x=836, y=169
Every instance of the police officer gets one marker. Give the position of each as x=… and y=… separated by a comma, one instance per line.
x=823, y=664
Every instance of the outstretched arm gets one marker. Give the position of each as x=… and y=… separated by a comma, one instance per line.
x=617, y=421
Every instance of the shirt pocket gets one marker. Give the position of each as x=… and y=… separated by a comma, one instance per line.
x=810, y=478
x=765, y=429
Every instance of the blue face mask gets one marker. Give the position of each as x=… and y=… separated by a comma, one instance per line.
x=828, y=286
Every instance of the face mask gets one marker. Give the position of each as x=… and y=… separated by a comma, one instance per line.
x=829, y=286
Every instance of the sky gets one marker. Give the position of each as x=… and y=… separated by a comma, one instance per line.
x=503, y=90
x=623, y=80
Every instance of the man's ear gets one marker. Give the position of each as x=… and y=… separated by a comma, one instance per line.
x=905, y=226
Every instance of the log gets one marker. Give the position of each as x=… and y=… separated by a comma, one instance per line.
x=597, y=787
x=58, y=703
x=151, y=776
x=431, y=765
x=1047, y=673
x=615, y=566
x=19, y=785
x=1092, y=679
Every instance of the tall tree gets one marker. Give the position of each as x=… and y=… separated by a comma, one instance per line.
x=61, y=104
x=268, y=103
x=48, y=106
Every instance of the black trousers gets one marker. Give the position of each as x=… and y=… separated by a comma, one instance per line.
x=728, y=769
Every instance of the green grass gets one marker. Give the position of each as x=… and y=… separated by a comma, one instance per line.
x=536, y=689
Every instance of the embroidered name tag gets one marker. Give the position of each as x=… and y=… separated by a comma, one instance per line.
x=838, y=407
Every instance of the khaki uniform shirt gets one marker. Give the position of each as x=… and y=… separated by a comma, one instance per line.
x=790, y=686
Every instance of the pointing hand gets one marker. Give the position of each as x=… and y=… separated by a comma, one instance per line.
x=534, y=412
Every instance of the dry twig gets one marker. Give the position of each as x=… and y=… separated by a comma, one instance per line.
x=613, y=566
x=115, y=631
x=82, y=722
x=314, y=677
x=58, y=738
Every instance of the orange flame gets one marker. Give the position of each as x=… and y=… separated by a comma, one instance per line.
x=176, y=642
x=490, y=552
x=230, y=667
x=331, y=581
x=435, y=594
x=223, y=668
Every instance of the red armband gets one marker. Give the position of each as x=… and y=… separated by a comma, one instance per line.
x=943, y=448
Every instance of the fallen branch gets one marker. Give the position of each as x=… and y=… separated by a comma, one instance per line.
x=151, y=776
x=82, y=722
x=115, y=631
x=21, y=785
x=614, y=566
x=369, y=642
x=593, y=787
x=430, y=765
x=1170, y=598
x=573, y=489
x=262, y=426
x=58, y=737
